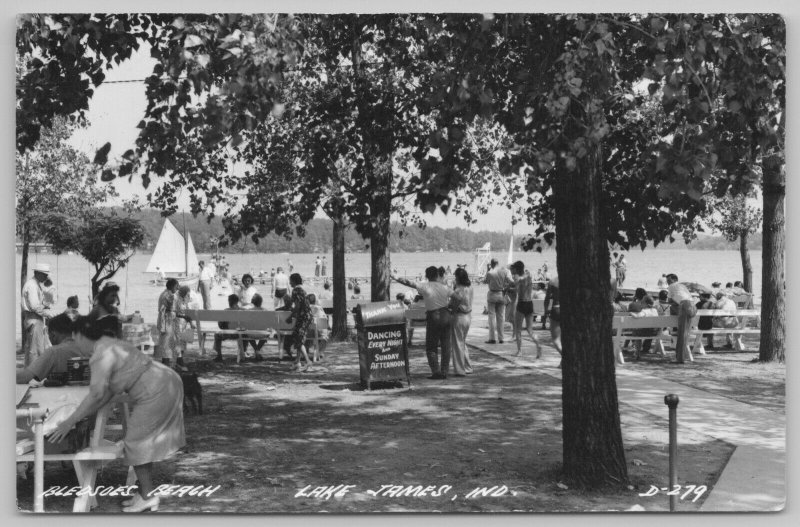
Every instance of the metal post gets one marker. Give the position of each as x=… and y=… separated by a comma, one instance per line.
x=38, y=465
x=37, y=415
x=671, y=401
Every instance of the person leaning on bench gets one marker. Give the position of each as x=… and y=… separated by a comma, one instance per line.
x=233, y=305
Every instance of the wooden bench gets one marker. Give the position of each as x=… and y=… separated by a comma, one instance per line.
x=623, y=325
x=416, y=317
x=249, y=324
x=743, y=317
x=327, y=306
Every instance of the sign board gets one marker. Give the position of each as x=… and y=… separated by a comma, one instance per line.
x=382, y=342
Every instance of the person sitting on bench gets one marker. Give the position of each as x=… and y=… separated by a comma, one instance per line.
x=233, y=304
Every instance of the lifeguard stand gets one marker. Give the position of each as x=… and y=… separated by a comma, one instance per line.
x=483, y=256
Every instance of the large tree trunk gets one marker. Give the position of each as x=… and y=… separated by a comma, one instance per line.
x=747, y=268
x=339, y=331
x=381, y=261
x=592, y=438
x=773, y=281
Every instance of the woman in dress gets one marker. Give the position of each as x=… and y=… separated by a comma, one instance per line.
x=461, y=307
x=154, y=430
x=166, y=322
x=524, y=311
x=301, y=315
x=181, y=322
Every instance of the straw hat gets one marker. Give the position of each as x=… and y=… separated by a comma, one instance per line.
x=41, y=268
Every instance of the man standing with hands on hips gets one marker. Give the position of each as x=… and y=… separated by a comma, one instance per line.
x=498, y=279
x=35, y=313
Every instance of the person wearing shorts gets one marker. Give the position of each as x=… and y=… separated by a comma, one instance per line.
x=524, y=310
x=280, y=287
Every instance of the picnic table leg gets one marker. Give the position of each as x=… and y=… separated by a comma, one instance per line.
x=38, y=465
x=698, y=344
x=660, y=347
x=280, y=347
x=618, y=350
x=87, y=474
x=738, y=345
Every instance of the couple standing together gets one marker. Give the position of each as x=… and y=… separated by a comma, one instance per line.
x=448, y=317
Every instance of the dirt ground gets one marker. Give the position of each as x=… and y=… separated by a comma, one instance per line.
x=734, y=374
x=269, y=437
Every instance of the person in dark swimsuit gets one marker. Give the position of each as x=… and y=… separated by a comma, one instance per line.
x=554, y=313
x=524, y=309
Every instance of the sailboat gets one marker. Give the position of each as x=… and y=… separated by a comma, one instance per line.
x=175, y=256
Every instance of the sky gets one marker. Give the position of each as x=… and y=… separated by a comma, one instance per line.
x=117, y=107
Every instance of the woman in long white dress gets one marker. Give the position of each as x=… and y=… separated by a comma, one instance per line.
x=461, y=307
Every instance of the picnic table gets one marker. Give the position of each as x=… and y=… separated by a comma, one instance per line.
x=88, y=457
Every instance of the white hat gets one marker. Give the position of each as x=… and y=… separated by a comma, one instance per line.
x=41, y=268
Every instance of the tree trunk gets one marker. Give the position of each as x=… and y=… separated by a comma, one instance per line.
x=380, y=258
x=747, y=268
x=339, y=331
x=593, y=453
x=773, y=281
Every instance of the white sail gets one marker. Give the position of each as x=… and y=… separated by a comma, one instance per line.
x=170, y=253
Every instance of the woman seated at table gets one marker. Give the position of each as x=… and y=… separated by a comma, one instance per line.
x=154, y=430
x=106, y=306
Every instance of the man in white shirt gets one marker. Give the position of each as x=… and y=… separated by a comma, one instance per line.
x=436, y=296
x=499, y=280
x=204, y=285
x=280, y=287
x=677, y=293
x=35, y=313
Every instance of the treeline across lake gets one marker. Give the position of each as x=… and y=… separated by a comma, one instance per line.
x=318, y=237
x=404, y=238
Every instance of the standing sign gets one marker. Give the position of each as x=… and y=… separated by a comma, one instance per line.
x=382, y=349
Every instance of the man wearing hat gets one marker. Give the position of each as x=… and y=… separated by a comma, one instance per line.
x=35, y=313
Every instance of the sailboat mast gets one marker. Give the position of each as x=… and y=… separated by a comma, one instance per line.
x=511, y=246
x=185, y=247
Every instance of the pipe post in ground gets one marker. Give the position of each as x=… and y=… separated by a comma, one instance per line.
x=671, y=401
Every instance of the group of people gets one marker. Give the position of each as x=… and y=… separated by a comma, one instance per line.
x=514, y=288
x=303, y=307
x=448, y=318
x=154, y=430
x=448, y=312
x=669, y=303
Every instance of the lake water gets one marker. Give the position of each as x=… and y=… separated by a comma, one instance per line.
x=72, y=274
